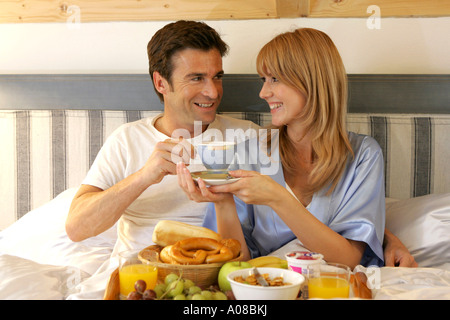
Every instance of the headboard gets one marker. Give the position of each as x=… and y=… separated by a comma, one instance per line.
x=52, y=126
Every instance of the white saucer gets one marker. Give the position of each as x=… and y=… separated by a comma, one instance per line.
x=213, y=177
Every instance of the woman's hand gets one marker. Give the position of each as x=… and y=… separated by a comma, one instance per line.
x=198, y=191
x=252, y=188
x=228, y=224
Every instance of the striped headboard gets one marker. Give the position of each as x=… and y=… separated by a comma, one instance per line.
x=45, y=152
x=52, y=126
x=416, y=150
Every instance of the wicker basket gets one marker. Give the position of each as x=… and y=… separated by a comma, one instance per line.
x=202, y=275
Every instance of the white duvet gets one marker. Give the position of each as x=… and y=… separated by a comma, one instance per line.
x=38, y=261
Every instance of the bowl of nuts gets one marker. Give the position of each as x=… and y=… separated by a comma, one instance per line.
x=283, y=284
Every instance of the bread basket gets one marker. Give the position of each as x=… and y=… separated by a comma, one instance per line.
x=202, y=275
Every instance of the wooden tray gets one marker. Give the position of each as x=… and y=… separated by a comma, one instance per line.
x=358, y=283
x=112, y=291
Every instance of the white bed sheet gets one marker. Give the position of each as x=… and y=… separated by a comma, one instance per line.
x=413, y=284
x=22, y=279
x=38, y=261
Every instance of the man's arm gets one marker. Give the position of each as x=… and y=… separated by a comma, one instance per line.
x=94, y=210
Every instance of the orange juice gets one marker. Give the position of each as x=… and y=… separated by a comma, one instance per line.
x=129, y=274
x=328, y=288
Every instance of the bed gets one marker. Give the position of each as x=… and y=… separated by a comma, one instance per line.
x=51, y=128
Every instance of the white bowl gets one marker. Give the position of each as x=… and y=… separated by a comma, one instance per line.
x=244, y=291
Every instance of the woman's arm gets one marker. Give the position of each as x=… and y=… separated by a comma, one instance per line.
x=254, y=188
x=315, y=235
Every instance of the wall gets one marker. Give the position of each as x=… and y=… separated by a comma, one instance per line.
x=399, y=46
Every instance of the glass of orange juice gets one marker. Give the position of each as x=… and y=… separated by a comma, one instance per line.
x=328, y=281
x=131, y=269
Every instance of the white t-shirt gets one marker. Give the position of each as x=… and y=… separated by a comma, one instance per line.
x=125, y=152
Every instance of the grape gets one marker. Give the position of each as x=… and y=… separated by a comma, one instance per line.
x=188, y=283
x=175, y=288
x=214, y=287
x=171, y=277
x=160, y=288
x=219, y=295
x=198, y=296
x=230, y=295
x=149, y=295
x=208, y=295
x=140, y=286
x=133, y=295
x=194, y=289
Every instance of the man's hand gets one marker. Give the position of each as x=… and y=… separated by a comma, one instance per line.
x=164, y=158
x=395, y=252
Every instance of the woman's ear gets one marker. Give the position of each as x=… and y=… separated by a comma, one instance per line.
x=161, y=84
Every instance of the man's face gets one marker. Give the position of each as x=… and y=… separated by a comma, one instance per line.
x=195, y=90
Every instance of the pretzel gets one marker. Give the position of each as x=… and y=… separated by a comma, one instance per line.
x=230, y=250
x=165, y=255
x=233, y=244
x=193, y=250
x=210, y=246
x=200, y=250
x=224, y=254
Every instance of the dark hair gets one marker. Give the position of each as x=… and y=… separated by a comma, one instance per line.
x=178, y=36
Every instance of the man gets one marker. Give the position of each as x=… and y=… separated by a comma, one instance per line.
x=132, y=179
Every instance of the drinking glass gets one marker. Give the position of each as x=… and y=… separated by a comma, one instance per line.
x=328, y=281
x=131, y=269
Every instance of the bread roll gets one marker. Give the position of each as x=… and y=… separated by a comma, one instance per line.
x=167, y=232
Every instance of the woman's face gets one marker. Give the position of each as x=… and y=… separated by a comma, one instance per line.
x=285, y=102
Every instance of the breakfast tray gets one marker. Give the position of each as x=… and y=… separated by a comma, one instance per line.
x=358, y=283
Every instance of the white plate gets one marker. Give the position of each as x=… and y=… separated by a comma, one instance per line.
x=213, y=177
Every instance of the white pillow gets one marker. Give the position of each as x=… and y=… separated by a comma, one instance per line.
x=423, y=225
x=40, y=236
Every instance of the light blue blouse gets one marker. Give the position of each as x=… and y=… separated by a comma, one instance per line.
x=355, y=209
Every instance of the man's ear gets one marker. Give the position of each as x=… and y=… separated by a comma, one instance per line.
x=161, y=84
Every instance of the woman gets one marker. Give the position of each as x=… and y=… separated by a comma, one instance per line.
x=329, y=192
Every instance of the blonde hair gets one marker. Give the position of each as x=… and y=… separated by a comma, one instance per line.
x=308, y=60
